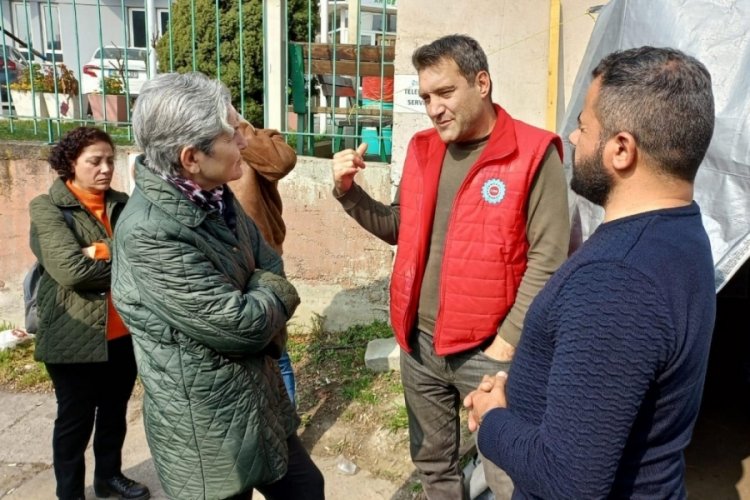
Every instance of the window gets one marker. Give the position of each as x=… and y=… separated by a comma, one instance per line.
x=22, y=30
x=138, y=36
x=391, y=23
x=377, y=22
x=366, y=39
x=338, y=19
x=163, y=15
x=365, y=21
x=51, y=23
x=371, y=21
x=38, y=26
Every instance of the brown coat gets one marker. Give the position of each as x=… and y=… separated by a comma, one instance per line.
x=267, y=159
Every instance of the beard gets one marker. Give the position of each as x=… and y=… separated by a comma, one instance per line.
x=590, y=179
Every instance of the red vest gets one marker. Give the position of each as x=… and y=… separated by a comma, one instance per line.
x=485, y=244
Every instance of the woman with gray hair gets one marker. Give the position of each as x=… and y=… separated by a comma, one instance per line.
x=206, y=300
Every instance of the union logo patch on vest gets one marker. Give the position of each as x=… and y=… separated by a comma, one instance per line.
x=493, y=191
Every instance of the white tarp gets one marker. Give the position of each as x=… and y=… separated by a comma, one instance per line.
x=717, y=33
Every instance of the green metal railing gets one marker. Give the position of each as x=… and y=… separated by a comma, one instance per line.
x=222, y=39
x=322, y=130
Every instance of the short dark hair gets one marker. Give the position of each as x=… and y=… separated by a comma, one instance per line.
x=463, y=50
x=663, y=98
x=69, y=147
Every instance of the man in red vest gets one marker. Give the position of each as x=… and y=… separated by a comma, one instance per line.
x=481, y=222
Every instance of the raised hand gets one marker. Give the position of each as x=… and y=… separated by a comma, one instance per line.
x=346, y=164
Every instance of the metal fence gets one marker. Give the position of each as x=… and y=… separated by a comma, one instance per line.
x=73, y=62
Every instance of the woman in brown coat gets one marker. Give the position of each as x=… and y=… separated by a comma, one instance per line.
x=267, y=159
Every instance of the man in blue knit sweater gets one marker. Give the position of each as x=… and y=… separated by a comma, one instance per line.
x=607, y=379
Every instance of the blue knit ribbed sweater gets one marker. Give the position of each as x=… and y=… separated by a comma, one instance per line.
x=606, y=382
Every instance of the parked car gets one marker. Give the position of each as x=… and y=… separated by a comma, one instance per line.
x=12, y=63
x=113, y=60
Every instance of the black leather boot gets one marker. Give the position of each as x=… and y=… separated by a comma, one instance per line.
x=121, y=487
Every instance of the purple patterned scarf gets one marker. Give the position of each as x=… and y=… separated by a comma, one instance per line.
x=207, y=200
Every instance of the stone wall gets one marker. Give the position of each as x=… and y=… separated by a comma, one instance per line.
x=340, y=270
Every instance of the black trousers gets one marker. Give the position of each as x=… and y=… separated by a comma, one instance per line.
x=88, y=394
x=302, y=481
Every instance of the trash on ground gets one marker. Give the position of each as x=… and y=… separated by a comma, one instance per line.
x=14, y=337
x=345, y=466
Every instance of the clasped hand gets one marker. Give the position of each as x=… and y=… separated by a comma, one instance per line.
x=489, y=395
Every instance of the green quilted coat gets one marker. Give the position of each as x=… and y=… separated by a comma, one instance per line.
x=72, y=296
x=203, y=322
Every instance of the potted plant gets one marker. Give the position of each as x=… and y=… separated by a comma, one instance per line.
x=61, y=92
x=111, y=103
x=26, y=93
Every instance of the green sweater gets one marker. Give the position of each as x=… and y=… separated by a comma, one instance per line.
x=72, y=296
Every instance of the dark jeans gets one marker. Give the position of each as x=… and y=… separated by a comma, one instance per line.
x=434, y=388
x=302, y=481
x=88, y=394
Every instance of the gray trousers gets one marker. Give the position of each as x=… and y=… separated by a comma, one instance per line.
x=434, y=388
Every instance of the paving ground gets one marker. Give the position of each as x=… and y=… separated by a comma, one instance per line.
x=25, y=456
x=718, y=460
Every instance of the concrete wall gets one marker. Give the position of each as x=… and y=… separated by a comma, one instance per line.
x=341, y=272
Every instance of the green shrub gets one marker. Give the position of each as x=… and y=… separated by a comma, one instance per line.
x=229, y=46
